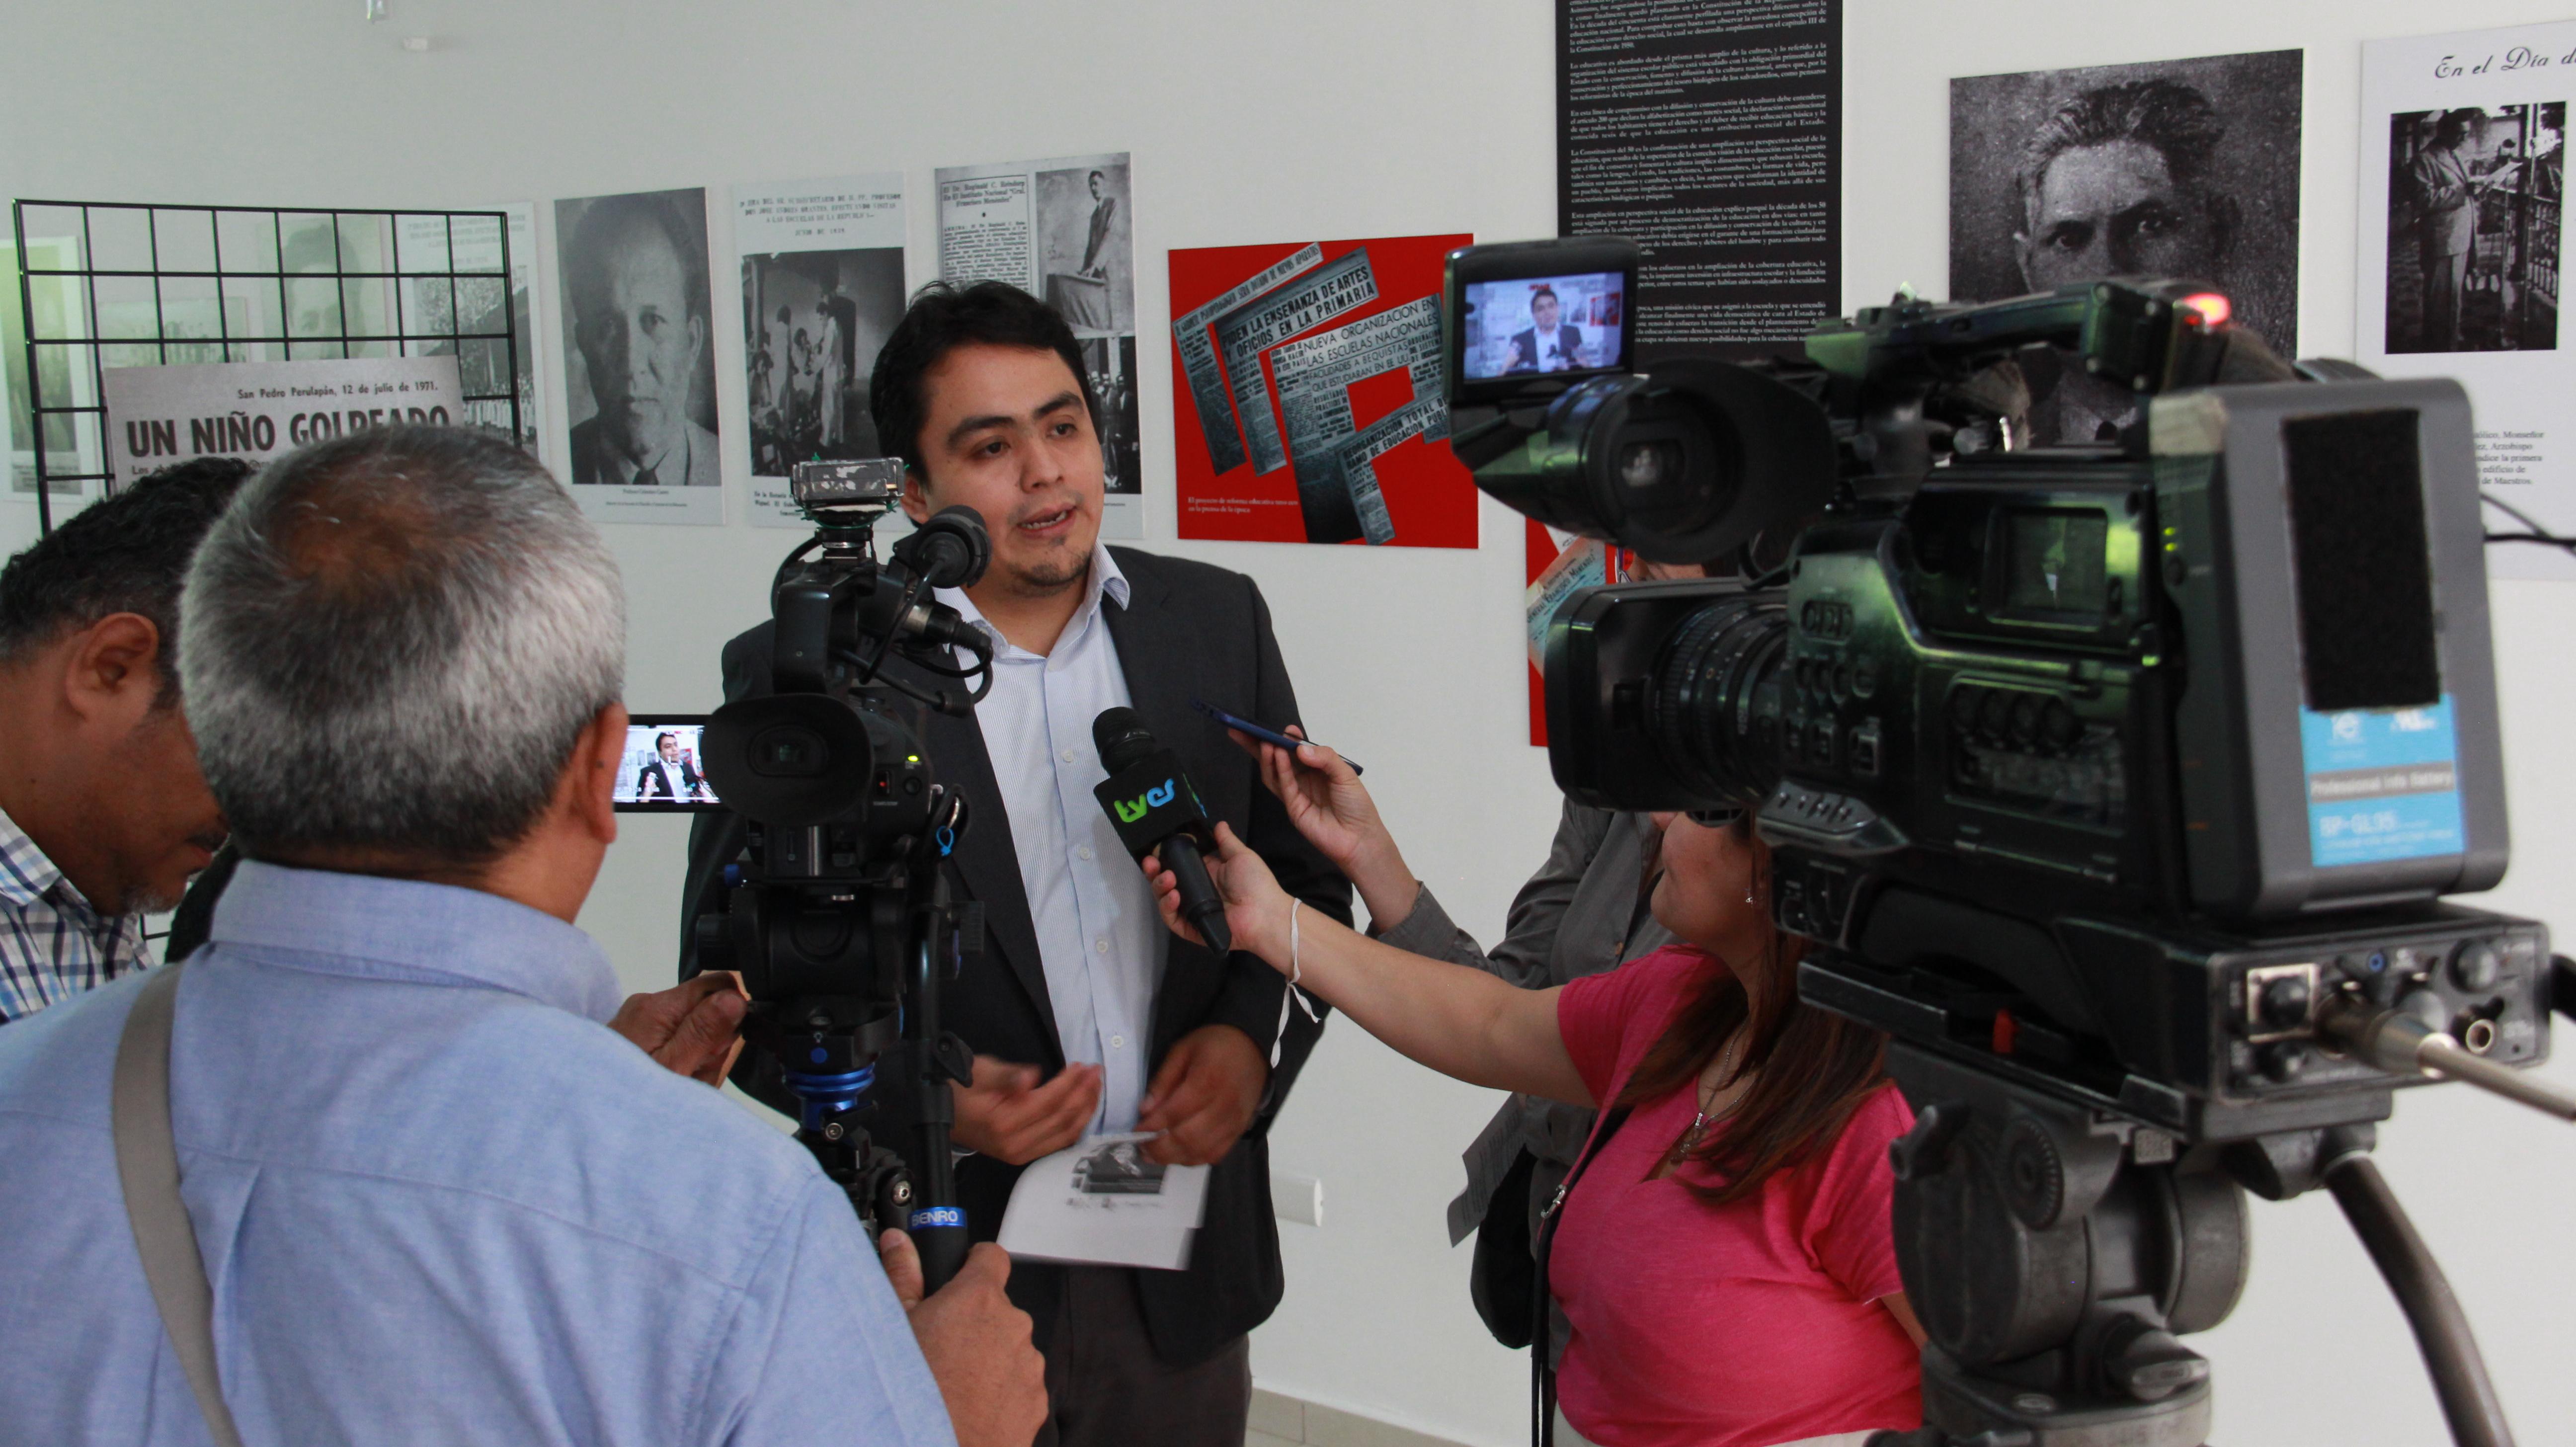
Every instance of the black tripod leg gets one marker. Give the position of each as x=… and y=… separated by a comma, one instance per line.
x=2441, y=1328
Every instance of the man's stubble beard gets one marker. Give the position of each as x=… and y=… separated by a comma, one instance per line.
x=1044, y=581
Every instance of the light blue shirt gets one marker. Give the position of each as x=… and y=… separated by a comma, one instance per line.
x=438, y=1202
x=1100, y=938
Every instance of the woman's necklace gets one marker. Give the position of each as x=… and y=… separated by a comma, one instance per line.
x=1707, y=1094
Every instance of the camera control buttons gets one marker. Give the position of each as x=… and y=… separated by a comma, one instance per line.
x=2280, y=1000
x=1865, y=749
x=2474, y=966
x=1795, y=813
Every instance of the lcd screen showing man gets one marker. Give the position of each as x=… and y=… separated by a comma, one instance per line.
x=1554, y=324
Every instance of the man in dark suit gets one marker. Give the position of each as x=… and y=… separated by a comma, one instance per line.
x=1085, y=1015
x=653, y=781
x=1545, y=346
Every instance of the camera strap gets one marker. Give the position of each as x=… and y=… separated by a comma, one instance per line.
x=147, y=1168
x=1542, y=1345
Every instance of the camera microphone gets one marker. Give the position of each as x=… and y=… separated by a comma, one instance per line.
x=950, y=550
x=1148, y=797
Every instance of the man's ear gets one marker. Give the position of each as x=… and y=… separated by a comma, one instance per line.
x=2021, y=259
x=916, y=498
x=112, y=668
x=595, y=758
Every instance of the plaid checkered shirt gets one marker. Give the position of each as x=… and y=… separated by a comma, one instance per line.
x=53, y=943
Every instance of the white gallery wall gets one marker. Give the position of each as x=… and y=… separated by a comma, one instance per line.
x=1262, y=123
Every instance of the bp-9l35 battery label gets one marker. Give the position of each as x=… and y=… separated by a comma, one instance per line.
x=2383, y=784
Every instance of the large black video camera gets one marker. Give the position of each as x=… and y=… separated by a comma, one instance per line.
x=826, y=893
x=2119, y=784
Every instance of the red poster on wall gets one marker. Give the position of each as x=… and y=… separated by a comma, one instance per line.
x=1559, y=564
x=1307, y=398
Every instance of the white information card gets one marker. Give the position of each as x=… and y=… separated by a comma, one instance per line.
x=1102, y=1202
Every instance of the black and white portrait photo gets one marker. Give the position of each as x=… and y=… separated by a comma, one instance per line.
x=812, y=324
x=2183, y=169
x=1118, y=1168
x=2473, y=223
x=638, y=370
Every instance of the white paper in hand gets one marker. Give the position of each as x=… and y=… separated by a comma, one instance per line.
x=1103, y=1203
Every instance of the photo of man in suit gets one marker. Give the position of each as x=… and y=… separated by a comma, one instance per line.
x=655, y=779
x=636, y=280
x=1546, y=346
x=1104, y=217
x=1084, y=1014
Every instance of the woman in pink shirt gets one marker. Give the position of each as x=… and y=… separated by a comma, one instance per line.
x=1725, y=1261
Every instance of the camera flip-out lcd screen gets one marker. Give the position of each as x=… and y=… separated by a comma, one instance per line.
x=664, y=766
x=1537, y=325
x=1528, y=319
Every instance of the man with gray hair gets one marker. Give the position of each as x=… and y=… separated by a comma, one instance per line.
x=436, y=1199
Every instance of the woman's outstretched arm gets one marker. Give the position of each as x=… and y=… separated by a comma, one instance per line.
x=1461, y=1022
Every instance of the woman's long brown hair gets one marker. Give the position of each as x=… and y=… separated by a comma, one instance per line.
x=1828, y=1066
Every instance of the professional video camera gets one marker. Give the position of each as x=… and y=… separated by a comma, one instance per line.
x=2119, y=783
x=825, y=893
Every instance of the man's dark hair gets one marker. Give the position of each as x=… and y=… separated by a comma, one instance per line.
x=605, y=219
x=126, y=553
x=1544, y=292
x=943, y=317
x=2174, y=118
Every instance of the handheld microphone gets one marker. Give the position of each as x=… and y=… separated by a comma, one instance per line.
x=1148, y=797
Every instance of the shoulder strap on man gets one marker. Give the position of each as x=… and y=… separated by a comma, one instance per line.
x=147, y=1166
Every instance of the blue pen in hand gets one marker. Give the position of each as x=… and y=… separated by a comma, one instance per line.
x=1266, y=735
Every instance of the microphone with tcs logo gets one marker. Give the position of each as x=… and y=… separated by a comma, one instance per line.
x=1149, y=798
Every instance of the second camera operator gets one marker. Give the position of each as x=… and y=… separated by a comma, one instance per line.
x=408, y=1142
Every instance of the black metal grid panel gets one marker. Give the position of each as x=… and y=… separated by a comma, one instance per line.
x=275, y=283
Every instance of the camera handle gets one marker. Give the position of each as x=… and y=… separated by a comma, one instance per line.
x=2064, y=1253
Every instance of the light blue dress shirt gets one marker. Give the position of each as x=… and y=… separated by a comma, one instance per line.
x=1100, y=938
x=438, y=1203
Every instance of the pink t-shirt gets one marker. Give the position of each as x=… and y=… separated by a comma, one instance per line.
x=1741, y=1325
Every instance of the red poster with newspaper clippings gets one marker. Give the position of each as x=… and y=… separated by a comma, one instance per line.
x=1307, y=400
x=1560, y=564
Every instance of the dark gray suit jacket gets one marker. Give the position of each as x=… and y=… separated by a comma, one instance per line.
x=1189, y=631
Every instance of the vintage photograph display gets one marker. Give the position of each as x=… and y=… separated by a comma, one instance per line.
x=2473, y=227
x=822, y=288
x=2180, y=168
x=1307, y=394
x=639, y=371
x=1063, y=229
x=2462, y=171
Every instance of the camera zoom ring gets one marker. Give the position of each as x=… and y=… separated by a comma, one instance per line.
x=1710, y=706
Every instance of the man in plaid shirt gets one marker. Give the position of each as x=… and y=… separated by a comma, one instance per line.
x=103, y=814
